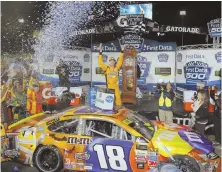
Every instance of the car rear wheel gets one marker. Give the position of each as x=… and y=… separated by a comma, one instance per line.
x=48, y=159
x=186, y=163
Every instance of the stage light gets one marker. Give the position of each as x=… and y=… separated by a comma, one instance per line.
x=21, y=20
x=183, y=13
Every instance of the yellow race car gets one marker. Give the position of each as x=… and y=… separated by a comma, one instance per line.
x=89, y=139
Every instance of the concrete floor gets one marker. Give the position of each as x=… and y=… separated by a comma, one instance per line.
x=148, y=103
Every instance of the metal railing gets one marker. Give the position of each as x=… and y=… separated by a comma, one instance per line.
x=199, y=47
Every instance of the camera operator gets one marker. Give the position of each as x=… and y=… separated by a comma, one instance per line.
x=165, y=95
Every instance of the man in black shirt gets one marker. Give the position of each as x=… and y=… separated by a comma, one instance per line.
x=63, y=71
x=217, y=115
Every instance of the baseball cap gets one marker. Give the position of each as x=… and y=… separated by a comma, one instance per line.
x=112, y=58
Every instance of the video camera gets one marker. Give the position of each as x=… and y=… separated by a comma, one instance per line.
x=161, y=86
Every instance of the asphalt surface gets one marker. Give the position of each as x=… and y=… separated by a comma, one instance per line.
x=147, y=104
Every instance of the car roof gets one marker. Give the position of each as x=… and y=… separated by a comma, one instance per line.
x=89, y=111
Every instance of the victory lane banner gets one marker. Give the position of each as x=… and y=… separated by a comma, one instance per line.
x=194, y=66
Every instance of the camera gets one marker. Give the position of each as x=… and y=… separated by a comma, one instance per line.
x=161, y=86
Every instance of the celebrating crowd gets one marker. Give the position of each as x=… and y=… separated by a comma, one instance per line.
x=19, y=90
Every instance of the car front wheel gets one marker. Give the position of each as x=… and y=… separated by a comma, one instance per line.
x=48, y=159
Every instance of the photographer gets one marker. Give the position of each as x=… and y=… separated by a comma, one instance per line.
x=165, y=95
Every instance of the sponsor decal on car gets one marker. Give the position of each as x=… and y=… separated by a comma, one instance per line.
x=152, y=152
x=141, y=147
x=88, y=167
x=152, y=163
x=152, y=158
x=140, y=166
x=140, y=159
x=82, y=156
x=140, y=140
x=141, y=153
x=75, y=140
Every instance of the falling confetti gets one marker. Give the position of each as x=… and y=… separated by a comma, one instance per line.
x=60, y=21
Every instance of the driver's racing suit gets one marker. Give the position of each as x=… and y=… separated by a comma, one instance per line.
x=112, y=76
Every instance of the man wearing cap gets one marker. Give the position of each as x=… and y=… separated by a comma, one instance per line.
x=112, y=73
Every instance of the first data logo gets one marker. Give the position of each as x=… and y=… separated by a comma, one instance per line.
x=196, y=71
x=163, y=57
x=109, y=99
x=218, y=57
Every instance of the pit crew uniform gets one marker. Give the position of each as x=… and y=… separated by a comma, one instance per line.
x=112, y=76
x=36, y=100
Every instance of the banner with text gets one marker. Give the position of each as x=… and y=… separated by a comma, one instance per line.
x=155, y=60
x=78, y=62
x=194, y=66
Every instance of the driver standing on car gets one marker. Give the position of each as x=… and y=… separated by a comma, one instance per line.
x=112, y=73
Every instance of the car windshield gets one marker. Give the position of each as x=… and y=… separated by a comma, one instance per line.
x=141, y=124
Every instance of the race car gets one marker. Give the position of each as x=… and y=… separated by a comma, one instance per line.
x=90, y=139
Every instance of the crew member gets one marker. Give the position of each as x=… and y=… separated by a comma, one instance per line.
x=112, y=73
x=36, y=100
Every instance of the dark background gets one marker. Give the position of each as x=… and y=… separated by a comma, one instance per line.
x=165, y=13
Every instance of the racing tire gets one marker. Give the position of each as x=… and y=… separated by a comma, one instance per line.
x=48, y=159
x=186, y=163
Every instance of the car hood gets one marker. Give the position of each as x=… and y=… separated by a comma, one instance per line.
x=178, y=139
x=28, y=122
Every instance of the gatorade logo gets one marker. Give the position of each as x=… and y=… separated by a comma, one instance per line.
x=46, y=93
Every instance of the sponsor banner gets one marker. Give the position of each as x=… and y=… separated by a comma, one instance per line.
x=214, y=28
x=194, y=66
x=153, y=46
x=84, y=32
x=113, y=46
x=126, y=21
x=155, y=61
x=147, y=45
x=132, y=39
x=194, y=30
x=104, y=100
x=196, y=71
x=78, y=62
